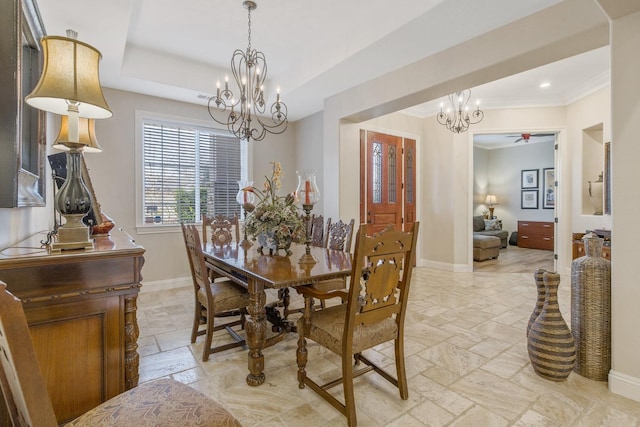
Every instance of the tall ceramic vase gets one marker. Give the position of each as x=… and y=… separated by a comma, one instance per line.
x=591, y=310
x=537, y=277
x=595, y=194
x=551, y=346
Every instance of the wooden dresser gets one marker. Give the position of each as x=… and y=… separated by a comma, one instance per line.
x=535, y=235
x=81, y=309
x=578, y=246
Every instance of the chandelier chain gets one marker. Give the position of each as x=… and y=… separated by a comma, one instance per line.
x=249, y=31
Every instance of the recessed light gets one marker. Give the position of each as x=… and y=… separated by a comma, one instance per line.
x=544, y=85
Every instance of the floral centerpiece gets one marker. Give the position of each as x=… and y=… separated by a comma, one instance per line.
x=274, y=220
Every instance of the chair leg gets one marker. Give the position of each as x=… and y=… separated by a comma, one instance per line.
x=347, y=382
x=400, y=369
x=208, y=337
x=197, y=315
x=301, y=360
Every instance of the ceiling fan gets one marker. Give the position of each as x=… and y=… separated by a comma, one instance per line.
x=525, y=136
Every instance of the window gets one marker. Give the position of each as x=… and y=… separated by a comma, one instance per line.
x=188, y=170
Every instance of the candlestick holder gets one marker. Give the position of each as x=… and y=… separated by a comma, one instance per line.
x=308, y=195
x=307, y=258
x=245, y=196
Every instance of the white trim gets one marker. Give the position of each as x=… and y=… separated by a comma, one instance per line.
x=163, y=285
x=624, y=385
x=444, y=266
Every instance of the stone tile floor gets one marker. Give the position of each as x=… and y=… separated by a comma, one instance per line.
x=466, y=354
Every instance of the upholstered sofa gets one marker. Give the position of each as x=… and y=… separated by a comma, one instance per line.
x=490, y=228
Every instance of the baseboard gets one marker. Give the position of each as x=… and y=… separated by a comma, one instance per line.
x=624, y=385
x=445, y=266
x=163, y=285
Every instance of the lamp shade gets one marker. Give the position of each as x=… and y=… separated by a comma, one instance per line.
x=70, y=73
x=87, y=136
x=491, y=200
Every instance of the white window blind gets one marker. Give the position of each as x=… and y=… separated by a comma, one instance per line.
x=181, y=162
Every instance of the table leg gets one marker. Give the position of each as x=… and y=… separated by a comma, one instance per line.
x=255, y=326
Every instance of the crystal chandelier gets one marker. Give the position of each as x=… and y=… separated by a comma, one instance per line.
x=248, y=117
x=457, y=118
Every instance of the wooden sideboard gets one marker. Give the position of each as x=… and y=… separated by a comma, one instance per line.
x=578, y=247
x=535, y=235
x=81, y=309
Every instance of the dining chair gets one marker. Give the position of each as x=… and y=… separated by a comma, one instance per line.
x=337, y=237
x=222, y=229
x=374, y=313
x=221, y=298
x=317, y=230
x=162, y=402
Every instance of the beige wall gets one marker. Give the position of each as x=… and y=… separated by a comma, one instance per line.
x=625, y=289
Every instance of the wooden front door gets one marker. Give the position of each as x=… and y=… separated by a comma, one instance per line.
x=383, y=164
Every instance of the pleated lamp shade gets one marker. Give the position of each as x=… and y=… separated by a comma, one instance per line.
x=87, y=136
x=70, y=73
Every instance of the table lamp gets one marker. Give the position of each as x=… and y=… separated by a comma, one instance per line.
x=70, y=86
x=308, y=195
x=491, y=200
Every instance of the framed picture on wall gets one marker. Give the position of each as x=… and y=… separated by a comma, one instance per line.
x=529, y=199
x=530, y=178
x=548, y=188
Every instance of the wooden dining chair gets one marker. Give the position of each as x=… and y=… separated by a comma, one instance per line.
x=163, y=402
x=317, y=230
x=221, y=229
x=221, y=298
x=374, y=313
x=338, y=236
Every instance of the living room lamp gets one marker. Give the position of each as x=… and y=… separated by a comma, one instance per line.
x=70, y=86
x=491, y=200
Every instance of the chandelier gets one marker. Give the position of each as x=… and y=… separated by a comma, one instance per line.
x=248, y=117
x=457, y=118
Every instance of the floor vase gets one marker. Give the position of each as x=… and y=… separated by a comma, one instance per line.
x=537, y=277
x=550, y=344
x=591, y=310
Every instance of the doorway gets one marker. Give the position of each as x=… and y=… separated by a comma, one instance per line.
x=518, y=170
x=387, y=181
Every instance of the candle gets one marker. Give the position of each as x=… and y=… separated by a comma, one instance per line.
x=244, y=193
x=307, y=190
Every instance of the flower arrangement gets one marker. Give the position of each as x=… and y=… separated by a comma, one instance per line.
x=274, y=220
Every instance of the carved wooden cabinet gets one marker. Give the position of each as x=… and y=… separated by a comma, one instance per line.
x=81, y=309
x=535, y=235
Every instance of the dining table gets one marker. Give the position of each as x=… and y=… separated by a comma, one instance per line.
x=258, y=270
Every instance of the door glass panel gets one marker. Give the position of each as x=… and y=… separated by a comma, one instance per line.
x=409, y=178
x=392, y=174
x=377, y=172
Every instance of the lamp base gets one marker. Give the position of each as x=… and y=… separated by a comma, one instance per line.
x=491, y=212
x=72, y=235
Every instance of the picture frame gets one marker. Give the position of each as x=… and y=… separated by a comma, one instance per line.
x=529, y=199
x=23, y=147
x=548, y=188
x=529, y=178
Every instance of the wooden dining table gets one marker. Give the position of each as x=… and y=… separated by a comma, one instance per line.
x=259, y=271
